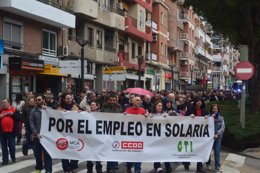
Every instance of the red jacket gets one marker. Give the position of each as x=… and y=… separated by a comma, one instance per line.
x=7, y=122
x=137, y=111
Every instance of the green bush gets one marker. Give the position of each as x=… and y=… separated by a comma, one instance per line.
x=235, y=137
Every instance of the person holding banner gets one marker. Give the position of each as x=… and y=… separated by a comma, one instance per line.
x=112, y=106
x=39, y=150
x=67, y=104
x=157, y=110
x=136, y=110
x=219, y=130
x=197, y=110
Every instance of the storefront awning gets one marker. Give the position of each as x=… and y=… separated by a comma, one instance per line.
x=52, y=71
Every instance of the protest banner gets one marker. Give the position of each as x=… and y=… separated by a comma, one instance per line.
x=100, y=136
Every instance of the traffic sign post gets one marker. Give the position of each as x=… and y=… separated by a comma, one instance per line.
x=244, y=70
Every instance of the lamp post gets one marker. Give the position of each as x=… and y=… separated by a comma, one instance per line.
x=82, y=44
x=191, y=82
x=140, y=62
x=172, y=66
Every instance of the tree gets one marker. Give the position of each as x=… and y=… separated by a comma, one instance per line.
x=239, y=20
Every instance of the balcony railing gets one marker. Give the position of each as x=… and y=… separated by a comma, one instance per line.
x=13, y=45
x=216, y=69
x=184, y=74
x=185, y=56
x=62, y=5
x=184, y=36
x=110, y=49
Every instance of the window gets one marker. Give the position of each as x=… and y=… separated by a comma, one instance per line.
x=141, y=22
x=161, y=18
x=12, y=34
x=121, y=45
x=140, y=50
x=133, y=50
x=89, y=68
x=106, y=5
x=90, y=37
x=99, y=39
x=162, y=48
x=49, y=43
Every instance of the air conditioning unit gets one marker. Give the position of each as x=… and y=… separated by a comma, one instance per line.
x=63, y=51
x=184, y=62
x=155, y=37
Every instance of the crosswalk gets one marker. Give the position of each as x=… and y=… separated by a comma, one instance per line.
x=231, y=163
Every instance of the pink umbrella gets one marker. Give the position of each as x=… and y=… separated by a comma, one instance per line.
x=139, y=91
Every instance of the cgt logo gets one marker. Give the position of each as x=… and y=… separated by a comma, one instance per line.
x=132, y=145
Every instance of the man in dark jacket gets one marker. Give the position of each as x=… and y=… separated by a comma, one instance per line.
x=9, y=128
x=147, y=103
x=28, y=132
x=39, y=150
x=111, y=106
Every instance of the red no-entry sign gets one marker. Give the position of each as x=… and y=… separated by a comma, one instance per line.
x=244, y=70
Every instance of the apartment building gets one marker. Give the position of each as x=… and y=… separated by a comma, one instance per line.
x=116, y=33
x=32, y=31
x=225, y=58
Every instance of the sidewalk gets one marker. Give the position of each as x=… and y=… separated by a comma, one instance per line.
x=252, y=152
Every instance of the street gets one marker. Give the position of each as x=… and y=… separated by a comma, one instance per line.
x=231, y=163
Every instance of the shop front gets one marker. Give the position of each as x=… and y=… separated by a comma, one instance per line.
x=50, y=78
x=22, y=72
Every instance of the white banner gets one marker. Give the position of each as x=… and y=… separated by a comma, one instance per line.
x=126, y=138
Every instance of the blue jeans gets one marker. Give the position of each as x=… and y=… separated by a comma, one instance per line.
x=217, y=149
x=69, y=165
x=8, y=140
x=39, y=150
x=111, y=166
x=136, y=164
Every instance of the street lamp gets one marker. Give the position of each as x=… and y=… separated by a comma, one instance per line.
x=172, y=66
x=140, y=62
x=82, y=44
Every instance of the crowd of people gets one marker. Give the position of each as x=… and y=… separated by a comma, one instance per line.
x=27, y=110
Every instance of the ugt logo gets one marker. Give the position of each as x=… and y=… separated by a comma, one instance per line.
x=116, y=145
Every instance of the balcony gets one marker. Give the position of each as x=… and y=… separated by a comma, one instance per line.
x=125, y=61
x=147, y=4
x=216, y=69
x=151, y=56
x=180, y=24
x=39, y=11
x=200, y=51
x=176, y=45
x=186, y=37
x=184, y=75
x=187, y=56
x=131, y=28
x=86, y=8
x=111, y=19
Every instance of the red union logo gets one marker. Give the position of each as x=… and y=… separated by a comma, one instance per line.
x=62, y=144
x=134, y=145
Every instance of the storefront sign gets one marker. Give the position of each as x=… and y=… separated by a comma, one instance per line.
x=49, y=60
x=114, y=69
x=150, y=71
x=168, y=75
x=50, y=70
x=20, y=63
x=114, y=77
x=2, y=45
